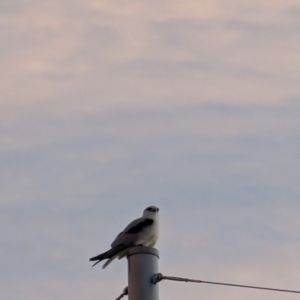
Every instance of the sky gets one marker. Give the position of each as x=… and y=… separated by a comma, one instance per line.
x=108, y=107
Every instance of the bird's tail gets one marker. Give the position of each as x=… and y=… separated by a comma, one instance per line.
x=120, y=255
x=111, y=254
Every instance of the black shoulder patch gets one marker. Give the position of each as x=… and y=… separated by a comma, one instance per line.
x=137, y=228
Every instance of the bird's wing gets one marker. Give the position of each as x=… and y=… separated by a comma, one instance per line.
x=138, y=225
x=130, y=234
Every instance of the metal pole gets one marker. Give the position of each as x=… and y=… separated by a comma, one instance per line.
x=142, y=266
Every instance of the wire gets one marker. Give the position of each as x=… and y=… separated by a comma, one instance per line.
x=159, y=277
x=124, y=293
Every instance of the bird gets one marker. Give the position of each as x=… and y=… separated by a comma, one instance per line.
x=140, y=232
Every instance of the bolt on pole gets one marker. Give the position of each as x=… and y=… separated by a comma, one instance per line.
x=142, y=266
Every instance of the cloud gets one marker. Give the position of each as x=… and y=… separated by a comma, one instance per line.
x=109, y=106
x=109, y=56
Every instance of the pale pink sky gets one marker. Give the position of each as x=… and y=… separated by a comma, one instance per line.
x=107, y=107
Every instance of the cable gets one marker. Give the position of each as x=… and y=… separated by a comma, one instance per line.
x=159, y=277
x=124, y=293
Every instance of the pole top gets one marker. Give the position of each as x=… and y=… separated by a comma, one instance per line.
x=142, y=249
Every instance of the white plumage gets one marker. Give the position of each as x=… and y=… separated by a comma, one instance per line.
x=140, y=232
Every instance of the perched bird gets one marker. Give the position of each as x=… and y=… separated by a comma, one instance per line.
x=140, y=232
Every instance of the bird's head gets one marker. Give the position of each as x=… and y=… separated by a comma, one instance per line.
x=151, y=211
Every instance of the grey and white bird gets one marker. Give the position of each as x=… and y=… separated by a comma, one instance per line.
x=140, y=232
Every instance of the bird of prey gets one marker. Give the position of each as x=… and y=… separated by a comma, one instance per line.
x=140, y=232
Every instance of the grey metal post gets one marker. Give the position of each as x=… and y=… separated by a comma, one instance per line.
x=142, y=265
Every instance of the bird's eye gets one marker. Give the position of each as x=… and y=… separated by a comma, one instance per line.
x=153, y=209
